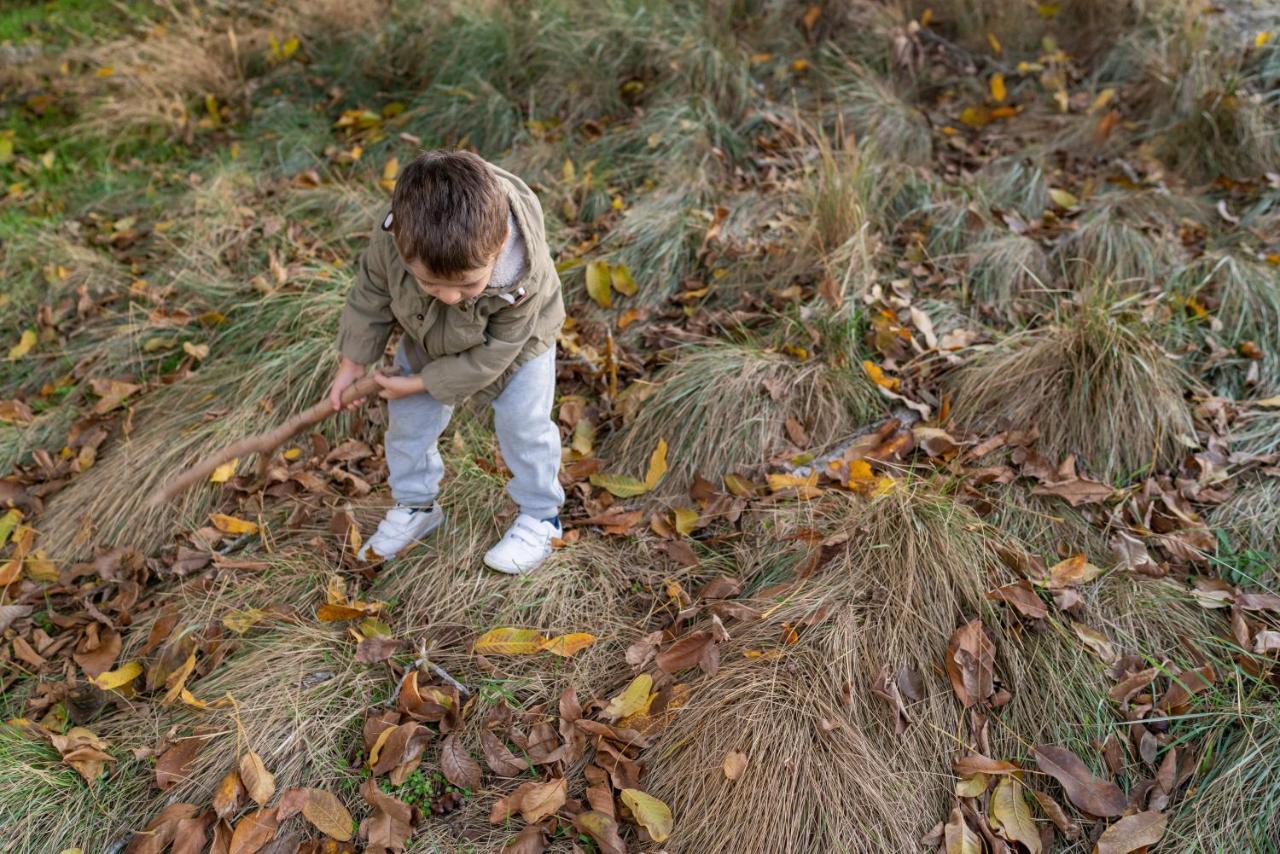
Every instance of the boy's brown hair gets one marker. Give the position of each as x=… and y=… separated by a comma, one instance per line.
x=449, y=212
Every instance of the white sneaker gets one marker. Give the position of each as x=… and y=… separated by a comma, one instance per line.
x=524, y=547
x=401, y=527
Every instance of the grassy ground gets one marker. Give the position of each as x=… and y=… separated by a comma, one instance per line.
x=1039, y=237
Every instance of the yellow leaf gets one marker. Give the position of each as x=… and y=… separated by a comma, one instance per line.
x=241, y=621
x=225, y=472
x=8, y=522
x=997, y=88
x=24, y=345
x=876, y=374
x=40, y=568
x=657, y=465
x=331, y=613
x=389, y=172
x=568, y=645
x=972, y=786
x=232, y=525
x=632, y=699
x=1048, y=10
x=6, y=149
x=686, y=518
x=1262, y=38
x=584, y=435
x=105, y=71
x=996, y=47
x=177, y=680
x=806, y=485
x=47, y=159
x=510, y=641
x=199, y=352
x=1104, y=98
x=738, y=486
x=118, y=678
x=1062, y=198
x=620, y=277
x=650, y=813
x=191, y=699
x=620, y=485
x=289, y=48
x=292, y=454
x=598, y=283
x=1010, y=815
x=976, y=117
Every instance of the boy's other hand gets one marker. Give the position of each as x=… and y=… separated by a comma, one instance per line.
x=348, y=372
x=394, y=388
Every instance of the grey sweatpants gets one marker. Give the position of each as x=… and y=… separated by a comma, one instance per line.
x=529, y=440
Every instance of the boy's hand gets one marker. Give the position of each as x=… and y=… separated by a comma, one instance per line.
x=348, y=372
x=394, y=388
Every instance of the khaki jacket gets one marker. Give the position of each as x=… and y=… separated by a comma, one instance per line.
x=466, y=350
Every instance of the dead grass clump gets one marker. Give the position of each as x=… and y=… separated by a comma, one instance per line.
x=1251, y=517
x=1015, y=182
x=1094, y=384
x=1008, y=273
x=722, y=407
x=871, y=107
x=1245, y=295
x=916, y=566
x=1050, y=526
x=274, y=358
x=1235, y=805
x=46, y=806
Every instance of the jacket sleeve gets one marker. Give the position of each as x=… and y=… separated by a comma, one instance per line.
x=367, y=320
x=452, y=379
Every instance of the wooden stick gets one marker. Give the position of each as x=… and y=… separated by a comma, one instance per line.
x=262, y=443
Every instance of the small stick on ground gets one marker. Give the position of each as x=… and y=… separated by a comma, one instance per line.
x=263, y=443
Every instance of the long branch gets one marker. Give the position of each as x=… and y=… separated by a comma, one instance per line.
x=262, y=443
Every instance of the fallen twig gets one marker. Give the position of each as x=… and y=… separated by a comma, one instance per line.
x=263, y=443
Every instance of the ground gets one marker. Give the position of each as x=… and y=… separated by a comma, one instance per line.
x=920, y=402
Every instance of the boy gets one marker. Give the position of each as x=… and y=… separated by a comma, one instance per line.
x=461, y=263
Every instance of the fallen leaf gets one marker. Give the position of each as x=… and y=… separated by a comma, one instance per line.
x=232, y=525
x=650, y=813
x=632, y=699
x=657, y=465
x=543, y=799
x=1011, y=817
x=457, y=765
x=254, y=831
x=225, y=472
x=958, y=838
x=1133, y=833
x=997, y=88
x=258, y=782
x=173, y=764
x=113, y=680
x=1093, y=795
x=1096, y=642
x=970, y=663
x=619, y=485
x=509, y=641
x=735, y=762
x=1074, y=570
x=83, y=751
x=25, y=342
x=228, y=798
x=327, y=814
x=568, y=645
x=389, y=824
x=598, y=283
x=1023, y=599
x=602, y=830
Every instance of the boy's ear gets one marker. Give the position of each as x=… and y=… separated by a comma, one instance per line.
x=386, y=223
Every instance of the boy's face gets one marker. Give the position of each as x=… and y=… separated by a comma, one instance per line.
x=454, y=289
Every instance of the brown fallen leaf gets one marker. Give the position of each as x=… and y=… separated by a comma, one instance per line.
x=735, y=762
x=499, y=757
x=172, y=766
x=976, y=763
x=401, y=744
x=254, y=831
x=602, y=830
x=530, y=840
x=689, y=651
x=1091, y=794
x=457, y=765
x=1056, y=814
x=1022, y=597
x=327, y=814
x=1133, y=833
x=161, y=830
x=83, y=751
x=958, y=838
x=1074, y=570
x=390, y=823
x=257, y=780
x=228, y=798
x=970, y=663
x=543, y=799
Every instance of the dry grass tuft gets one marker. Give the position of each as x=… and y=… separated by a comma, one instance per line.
x=878, y=112
x=1093, y=383
x=714, y=407
x=241, y=392
x=1047, y=525
x=916, y=566
x=1251, y=517
x=1009, y=273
